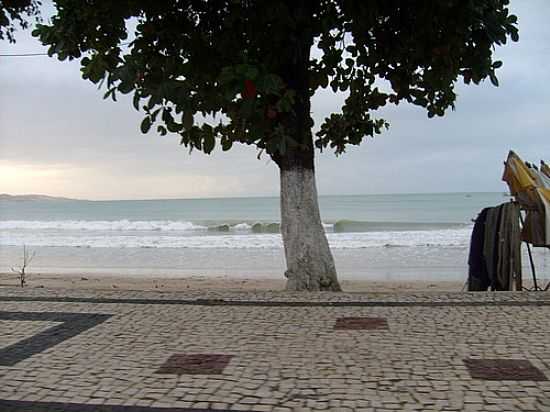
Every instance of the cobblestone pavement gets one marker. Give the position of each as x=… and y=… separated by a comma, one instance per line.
x=80, y=351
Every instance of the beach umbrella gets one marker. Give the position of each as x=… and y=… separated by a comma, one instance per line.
x=520, y=180
x=531, y=190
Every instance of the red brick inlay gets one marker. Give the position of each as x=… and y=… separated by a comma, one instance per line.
x=201, y=363
x=503, y=369
x=362, y=323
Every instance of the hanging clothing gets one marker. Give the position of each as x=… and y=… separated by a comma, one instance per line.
x=533, y=228
x=478, y=278
x=508, y=253
x=495, y=250
x=545, y=200
x=490, y=244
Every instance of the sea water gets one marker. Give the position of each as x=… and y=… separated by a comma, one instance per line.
x=401, y=236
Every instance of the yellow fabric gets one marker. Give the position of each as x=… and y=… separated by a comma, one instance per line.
x=520, y=181
x=531, y=197
x=517, y=174
x=545, y=194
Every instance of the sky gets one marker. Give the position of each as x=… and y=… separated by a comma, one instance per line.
x=59, y=137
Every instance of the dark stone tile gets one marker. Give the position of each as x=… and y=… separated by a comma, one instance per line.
x=361, y=323
x=503, y=369
x=72, y=325
x=26, y=406
x=267, y=303
x=200, y=363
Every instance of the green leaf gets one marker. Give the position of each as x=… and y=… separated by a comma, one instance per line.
x=166, y=116
x=252, y=72
x=125, y=87
x=282, y=145
x=209, y=139
x=174, y=127
x=324, y=81
x=135, y=101
x=226, y=143
x=188, y=120
x=145, y=125
x=286, y=101
x=227, y=75
x=111, y=93
x=154, y=115
x=162, y=130
x=194, y=57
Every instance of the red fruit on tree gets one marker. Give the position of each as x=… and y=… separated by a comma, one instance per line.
x=271, y=113
x=249, y=91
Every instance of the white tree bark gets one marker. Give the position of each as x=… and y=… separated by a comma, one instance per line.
x=310, y=265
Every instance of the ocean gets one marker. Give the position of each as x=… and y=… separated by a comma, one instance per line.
x=382, y=237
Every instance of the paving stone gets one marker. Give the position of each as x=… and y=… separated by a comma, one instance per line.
x=504, y=369
x=360, y=323
x=67, y=326
x=286, y=353
x=195, y=364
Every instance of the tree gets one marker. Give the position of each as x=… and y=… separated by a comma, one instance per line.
x=21, y=272
x=247, y=67
x=16, y=12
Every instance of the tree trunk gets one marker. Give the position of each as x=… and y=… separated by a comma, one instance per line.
x=310, y=265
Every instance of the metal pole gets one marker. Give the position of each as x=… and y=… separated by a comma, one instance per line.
x=532, y=266
x=530, y=257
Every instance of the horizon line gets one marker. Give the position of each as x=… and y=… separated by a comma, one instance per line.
x=239, y=197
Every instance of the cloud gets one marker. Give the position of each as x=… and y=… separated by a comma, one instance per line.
x=51, y=119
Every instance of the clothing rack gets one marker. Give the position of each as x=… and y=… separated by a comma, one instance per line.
x=535, y=287
x=530, y=189
x=495, y=249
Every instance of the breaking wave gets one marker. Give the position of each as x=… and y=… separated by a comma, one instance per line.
x=340, y=226
x=102, y=225
x=173, y=234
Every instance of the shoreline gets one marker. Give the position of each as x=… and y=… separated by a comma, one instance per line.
x=429, y=264
x=122, y=282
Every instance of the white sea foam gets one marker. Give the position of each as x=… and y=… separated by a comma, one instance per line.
x=103, y=225
x=244, y=227
x=236, y=239
x=187, y=226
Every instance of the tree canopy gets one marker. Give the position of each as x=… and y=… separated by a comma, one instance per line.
x=15, y=13
x=243, y=64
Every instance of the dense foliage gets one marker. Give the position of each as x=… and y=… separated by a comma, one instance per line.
x=14, y=13
x=242, y=64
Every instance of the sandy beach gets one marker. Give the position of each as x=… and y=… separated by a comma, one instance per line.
x=121, y=282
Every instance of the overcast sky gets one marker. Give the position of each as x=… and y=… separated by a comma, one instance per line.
x=59, y=137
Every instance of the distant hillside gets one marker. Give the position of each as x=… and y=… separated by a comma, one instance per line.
x=30, y=198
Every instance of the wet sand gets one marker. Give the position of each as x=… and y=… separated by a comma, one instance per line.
x=174, y=284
